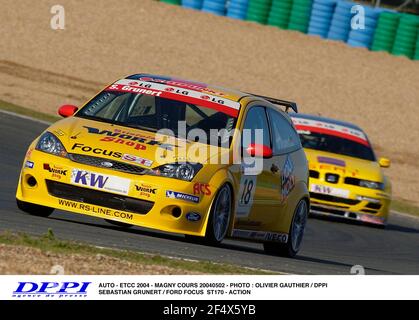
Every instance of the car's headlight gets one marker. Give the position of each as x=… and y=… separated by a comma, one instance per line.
x=371, y=184
x=51, y=144
x=183, y=171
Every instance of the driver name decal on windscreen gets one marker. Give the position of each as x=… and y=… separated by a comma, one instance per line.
x=203, y=99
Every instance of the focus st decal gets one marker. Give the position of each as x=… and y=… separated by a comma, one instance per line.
x=136, y=159
x=203, y=99
x=100, y=181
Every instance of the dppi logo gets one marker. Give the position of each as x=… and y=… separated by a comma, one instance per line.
x=52, y=289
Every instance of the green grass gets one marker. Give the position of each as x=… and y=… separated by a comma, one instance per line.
x=48, y=242
x=404, y=207
x=27, y=112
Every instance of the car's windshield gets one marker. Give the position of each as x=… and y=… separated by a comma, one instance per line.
x=334, y=144
x=153, y=113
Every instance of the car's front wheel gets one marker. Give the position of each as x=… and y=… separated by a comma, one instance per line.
x=219, y=219
x=296, y=233
x=34, y=209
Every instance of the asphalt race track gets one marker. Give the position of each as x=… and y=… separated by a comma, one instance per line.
x=330, y=247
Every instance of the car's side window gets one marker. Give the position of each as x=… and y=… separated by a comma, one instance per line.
x=285, y=138
x=256, y=119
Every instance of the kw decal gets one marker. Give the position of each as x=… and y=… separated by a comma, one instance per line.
x=100, y=181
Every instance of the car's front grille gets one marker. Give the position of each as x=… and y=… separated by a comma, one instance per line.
x=327, y=210
x=373, y=205
x=326, y=197
x=105, y=163
x=369, y=211
x=99, y=198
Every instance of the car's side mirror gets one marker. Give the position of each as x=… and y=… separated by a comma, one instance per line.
x=259, y=150
x=67, y=110
x=384, y=162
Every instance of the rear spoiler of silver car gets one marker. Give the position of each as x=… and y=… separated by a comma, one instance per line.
x=279, y=102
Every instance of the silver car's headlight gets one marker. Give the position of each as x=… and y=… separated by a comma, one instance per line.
x=371, y=184
x=182, y=171
x=51, y=144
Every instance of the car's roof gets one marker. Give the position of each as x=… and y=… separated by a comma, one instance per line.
x=231, y=94
x=324, y=119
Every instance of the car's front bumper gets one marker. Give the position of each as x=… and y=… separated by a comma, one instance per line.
x=326, y=210
x=369, y=206
x=137, y=207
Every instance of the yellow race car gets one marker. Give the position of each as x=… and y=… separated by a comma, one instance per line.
x=177, y=156
x=346, y=179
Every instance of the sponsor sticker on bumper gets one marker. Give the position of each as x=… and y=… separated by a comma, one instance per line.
x=100, y=181
x=29, y=164
x=318, y=188
x=181, y=196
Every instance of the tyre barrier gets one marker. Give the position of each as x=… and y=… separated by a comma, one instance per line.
x=300, y=15
x=237, y=9
x=176, y=2
x=383, y=30
x=280, y=12
x=217, y=7
x=416, y=57
x=258, y=10
x=362, y=35
x=321, y=17
x=340, y=25
x=406, y=36
x=193, y=4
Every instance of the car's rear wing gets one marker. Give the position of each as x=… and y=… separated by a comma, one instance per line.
x=279, y=102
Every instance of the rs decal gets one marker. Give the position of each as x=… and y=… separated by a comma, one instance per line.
x=201, y=188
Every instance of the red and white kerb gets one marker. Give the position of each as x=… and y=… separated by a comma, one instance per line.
x=302, y=124
x=177, y=93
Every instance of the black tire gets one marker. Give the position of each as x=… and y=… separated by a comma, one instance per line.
x=119, y=224
x=295, y=237
x=220, y=215
x=34, y=209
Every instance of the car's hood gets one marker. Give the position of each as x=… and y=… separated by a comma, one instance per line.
x=125, y=144
x=344, y=165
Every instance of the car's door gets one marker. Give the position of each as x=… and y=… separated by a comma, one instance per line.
x=277, y=180
x=258, y=186
x=285, y=142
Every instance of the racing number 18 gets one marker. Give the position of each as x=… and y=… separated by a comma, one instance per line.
x=247, y=191
x=245, y=195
